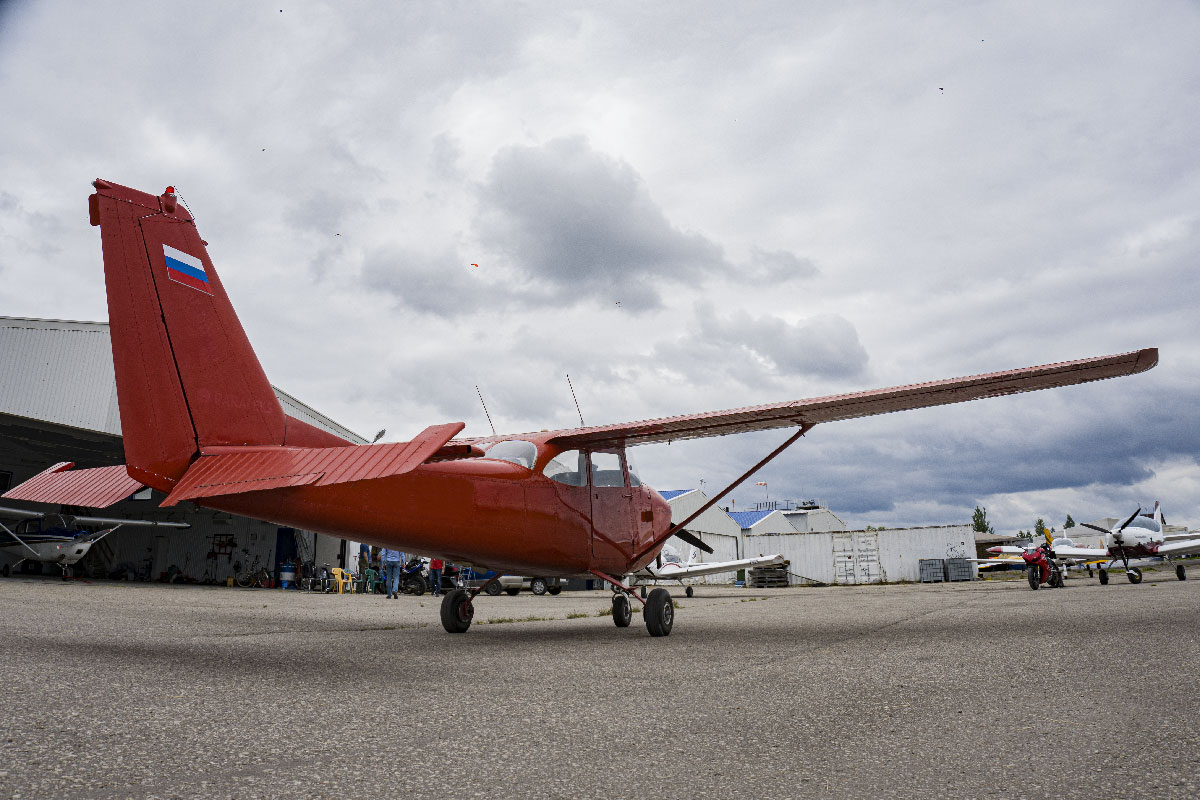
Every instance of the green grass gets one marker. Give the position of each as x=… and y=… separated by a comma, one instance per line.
x=581, y=614
x=505, y=620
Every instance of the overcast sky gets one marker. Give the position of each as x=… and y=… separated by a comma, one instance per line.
x=686, y=207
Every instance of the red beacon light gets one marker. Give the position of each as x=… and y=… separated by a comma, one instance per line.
x=169, y=200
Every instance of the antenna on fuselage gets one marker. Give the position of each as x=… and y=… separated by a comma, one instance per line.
x=576, y=399
x=485, y=411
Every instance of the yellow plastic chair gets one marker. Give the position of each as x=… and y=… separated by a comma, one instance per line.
x=343, y=580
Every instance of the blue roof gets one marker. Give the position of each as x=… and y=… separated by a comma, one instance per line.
x=671, y=494
x=747, y=519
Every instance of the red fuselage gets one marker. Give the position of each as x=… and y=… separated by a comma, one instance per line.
x=481, y=511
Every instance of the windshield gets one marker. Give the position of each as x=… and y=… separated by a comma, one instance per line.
x=516, y=451
x=1144, y=524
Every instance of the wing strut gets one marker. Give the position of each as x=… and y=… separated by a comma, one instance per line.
x=804, y=428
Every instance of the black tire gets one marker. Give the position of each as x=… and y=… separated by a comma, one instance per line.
x=6, y=570
x=243, y=580
x=1034, y=574
x=622, y=611
x=413, y=585
x=554, y=590
x=688, y=591
x=457, y=611
x=659, y=613
x=494, y=589
x=642, y=592
x=1180, y=572
x=538, y=586
x=1135, y=575
x=1056, y=580
x=1103, y=577
x=512, y=591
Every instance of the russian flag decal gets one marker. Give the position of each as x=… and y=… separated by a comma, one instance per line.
x=186, y=269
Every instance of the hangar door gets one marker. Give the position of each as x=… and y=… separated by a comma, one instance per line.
x=856, y=557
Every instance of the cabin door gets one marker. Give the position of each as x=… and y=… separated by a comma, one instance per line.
x=613, y=525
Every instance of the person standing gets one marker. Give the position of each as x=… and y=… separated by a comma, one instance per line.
x=435, y=574
x=392, y=561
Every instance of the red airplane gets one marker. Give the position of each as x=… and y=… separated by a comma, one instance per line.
x=201, y=423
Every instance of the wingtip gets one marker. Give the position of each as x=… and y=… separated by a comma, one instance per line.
x=1147, y=358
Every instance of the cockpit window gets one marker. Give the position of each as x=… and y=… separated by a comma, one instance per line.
x=633, y=478
x=516, y=451
x=606, y=470
x=569, y=468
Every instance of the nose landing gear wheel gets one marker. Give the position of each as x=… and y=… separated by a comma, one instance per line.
x=1134, y=574
x=622, y=611
x=1180, y=572
x=457, y=611
x=659, y=613
x=1104, y=577
x=688, y=591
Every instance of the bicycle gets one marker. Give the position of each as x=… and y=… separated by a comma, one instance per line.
x=257, y=575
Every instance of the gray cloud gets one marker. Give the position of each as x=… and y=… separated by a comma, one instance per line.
x=759, y=350
x=777, y=266
x=584, y=224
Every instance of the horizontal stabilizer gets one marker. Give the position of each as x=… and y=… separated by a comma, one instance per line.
x=94, y=488
x=234, y=470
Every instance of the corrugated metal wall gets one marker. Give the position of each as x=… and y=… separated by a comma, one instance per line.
x=60, y=372
x=854, y=554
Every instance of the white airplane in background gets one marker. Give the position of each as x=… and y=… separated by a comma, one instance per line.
x=1140, y=536
x=670, y=566
x=57, y=538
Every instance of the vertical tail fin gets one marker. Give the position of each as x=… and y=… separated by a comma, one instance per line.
x=186, y=375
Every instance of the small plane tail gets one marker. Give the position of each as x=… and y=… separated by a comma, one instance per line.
x=693, y=556
x=187, y=377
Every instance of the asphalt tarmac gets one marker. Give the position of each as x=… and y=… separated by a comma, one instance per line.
x=985, y=689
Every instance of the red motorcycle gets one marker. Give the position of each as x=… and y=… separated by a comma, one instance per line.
x=1041, y=568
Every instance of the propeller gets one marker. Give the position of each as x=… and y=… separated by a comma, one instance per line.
x=1132, y=517
x=1095, y=527
x=693, y=540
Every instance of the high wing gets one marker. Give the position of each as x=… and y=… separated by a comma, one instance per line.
x=858, y=404
x=20, y=513
x=675, y=572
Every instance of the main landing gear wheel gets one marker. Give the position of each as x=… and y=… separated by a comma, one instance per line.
x=494, y=589
x=1034, y=576
x=642, y=591
x=688, y=591
x=1104, y=577
x=1180, y=572
x=622, y=611
x=1134, y=574
x=659, y=613
x=538, y=586
x=457, y=611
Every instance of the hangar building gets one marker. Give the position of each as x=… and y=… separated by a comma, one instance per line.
x=822, y=550
x=58, y=402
